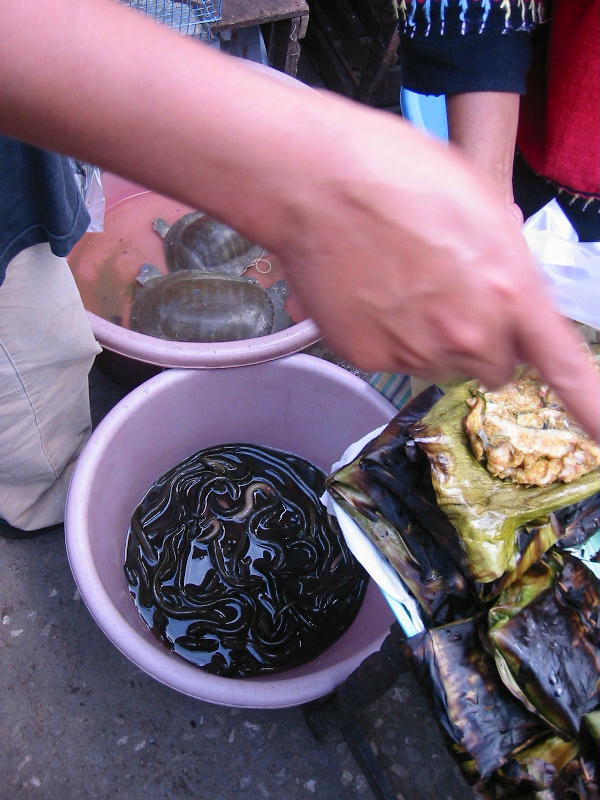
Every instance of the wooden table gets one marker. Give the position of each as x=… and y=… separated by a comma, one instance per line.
x=288, y=20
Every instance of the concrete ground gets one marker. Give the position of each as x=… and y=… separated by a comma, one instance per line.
x=78, y=720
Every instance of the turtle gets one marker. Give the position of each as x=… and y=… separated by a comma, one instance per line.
x=197, y=241
x=200, y=306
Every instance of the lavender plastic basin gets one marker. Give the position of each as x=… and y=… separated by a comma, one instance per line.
x=300, y=404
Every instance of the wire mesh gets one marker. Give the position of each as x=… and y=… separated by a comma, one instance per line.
x=188, y=17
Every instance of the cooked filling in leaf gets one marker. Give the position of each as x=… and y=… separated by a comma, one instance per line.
x=522, y=433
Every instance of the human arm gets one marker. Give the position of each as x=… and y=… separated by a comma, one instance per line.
x=479, y=59
x=484, y=126
x=400, y=250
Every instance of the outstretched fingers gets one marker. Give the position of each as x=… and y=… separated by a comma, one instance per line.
x=549, y=343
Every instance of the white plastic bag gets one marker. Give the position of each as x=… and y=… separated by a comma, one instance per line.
x=89, y=181
x=375, y=563
x=571, y=267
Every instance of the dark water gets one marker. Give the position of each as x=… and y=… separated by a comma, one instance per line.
x=234, y=563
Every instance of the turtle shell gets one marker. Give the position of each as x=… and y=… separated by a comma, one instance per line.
x=197, y=241
x=195, y=306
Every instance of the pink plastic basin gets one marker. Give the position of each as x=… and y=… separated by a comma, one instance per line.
x=301, y=404
x=92, y=262
x=99, y=274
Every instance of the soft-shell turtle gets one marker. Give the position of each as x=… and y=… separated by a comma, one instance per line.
x=198, y=306
x=197, y=241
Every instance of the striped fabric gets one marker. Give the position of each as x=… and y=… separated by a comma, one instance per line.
x=395, y=386
x=463, y=17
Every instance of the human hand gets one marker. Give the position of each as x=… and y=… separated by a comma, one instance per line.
x=515, y=212
x=406, y=259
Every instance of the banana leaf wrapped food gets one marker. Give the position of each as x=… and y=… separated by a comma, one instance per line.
x=485, y=510
x=543, y=631
x=421, y=469
x=464, y=540
x=579, y=521
x=483, y=721
x=387, y=490
x=592, y=724
x=516, y=690
x=549, y=769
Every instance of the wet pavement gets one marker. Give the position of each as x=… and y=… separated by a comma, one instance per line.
x=78, y=720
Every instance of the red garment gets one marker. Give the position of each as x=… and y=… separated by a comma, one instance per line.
x=559, y=130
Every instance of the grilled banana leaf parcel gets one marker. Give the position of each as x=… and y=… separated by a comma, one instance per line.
x=387, y=491
x=579, y=521
x=577, y=781
x=550, y=769
x=531, y=543
x=592, y=724
x=538, y=765
x=484, y=722
x=503, y=748
x=485, y=510
x=545, y=639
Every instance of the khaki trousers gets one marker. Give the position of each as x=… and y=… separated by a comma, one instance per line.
x=46, y=351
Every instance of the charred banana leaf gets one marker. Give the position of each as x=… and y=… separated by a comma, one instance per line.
x=516, y=690
x=388, y=492
x=546, y=642
x=531, y=543
x=579, y=521
x=502, y=748
x=534, y=768
x=485, y=511
x=550, y=769
x=577, y=781
x=592, y=724
x=483, y=721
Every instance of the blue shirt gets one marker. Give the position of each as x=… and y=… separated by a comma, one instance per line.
x=39, y=201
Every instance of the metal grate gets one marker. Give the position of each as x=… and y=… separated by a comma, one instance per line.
x=189, y=17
